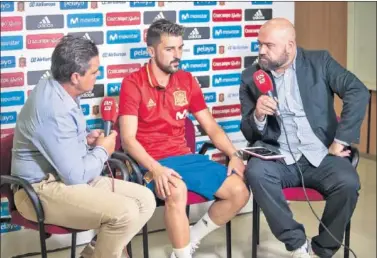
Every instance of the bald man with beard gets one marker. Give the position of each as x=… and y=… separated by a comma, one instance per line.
x=304, y=86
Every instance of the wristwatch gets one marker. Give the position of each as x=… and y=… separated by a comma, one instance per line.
x=238, y=154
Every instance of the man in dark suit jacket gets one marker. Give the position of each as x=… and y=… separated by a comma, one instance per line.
x=304, y=86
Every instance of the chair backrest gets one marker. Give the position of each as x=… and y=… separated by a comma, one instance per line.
x=190, y=134
x=5, y=167
x=6, y=154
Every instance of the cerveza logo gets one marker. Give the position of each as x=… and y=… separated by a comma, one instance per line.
x=8, y=62
x=8, y=117
x=234, y=31
x=84, y=20
x=94, y=123
x=139, y=53
x=68, y=5
x=189, y=16
x=123, y=36
x=195, y=65
x=142, y=4
x=113, y=89
x=11, y=43
x=223, y=80
x=12, y=98
x=206, y=49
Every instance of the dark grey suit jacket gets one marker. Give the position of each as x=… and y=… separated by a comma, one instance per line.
x=319, y=76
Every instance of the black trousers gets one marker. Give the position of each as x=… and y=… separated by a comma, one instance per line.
x=335, y=179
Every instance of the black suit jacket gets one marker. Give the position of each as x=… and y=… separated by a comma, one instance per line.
x=319, y=76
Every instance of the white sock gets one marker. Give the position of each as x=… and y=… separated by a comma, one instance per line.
x=202, y=228
x=184, y=252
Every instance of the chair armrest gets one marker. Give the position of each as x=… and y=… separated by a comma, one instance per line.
x=355, y=156
x=14, y=180
x=206, y=146
x=131, y=164
x=122, y=168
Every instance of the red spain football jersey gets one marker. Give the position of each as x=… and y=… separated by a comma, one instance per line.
x=161, y=112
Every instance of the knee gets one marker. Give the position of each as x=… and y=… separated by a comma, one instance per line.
x=178, y=195
x=240, y=192
x=148, y=201
x=126, y=214
x=350, y=183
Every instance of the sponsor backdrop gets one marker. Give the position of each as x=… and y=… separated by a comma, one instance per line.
x=220, y=41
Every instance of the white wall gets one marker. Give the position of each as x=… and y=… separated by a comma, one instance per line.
x=361, y=43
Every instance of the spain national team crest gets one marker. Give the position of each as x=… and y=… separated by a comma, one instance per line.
x=180, y=98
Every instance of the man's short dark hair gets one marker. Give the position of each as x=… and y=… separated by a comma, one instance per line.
x=72, y=55
x=160, y=27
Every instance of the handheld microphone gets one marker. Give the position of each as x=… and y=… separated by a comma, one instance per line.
x=109, y=111
x=264, y=83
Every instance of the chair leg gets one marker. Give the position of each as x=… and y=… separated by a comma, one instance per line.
x=347, y=240
x=42, y=237
x=145, y=241
x=129, y=249
x=254, y=244
x=229, y=240
x=258, y=223
x=73, y=245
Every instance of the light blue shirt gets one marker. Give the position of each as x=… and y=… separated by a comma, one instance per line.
x=50, y=137
x=301, y=137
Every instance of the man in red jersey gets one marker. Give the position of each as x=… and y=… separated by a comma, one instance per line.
x=154, y=103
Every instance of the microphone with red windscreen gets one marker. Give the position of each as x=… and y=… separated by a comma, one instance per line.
x=264, y=83
x=109, y=111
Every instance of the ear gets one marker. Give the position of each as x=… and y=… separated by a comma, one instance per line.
x=151, y=51
x=290, y=46
x=75, y=79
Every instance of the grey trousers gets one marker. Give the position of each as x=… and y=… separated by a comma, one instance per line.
x=335, y=179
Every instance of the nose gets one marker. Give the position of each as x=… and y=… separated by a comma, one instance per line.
x=262, y=49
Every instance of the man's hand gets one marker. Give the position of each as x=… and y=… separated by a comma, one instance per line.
x=265, y=106
x=162, y=177
x=337, y=149
x=92, y=136
x=237, y=165
x=107, y=142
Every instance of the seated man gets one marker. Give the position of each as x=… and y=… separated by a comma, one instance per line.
x=305, y=83
x=153, y=106
x=63, y=162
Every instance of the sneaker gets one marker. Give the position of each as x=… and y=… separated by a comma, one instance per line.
x=193, y=247
x=302, y=252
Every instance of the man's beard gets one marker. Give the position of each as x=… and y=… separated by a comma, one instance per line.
x=269, y=65
x=169, y=69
